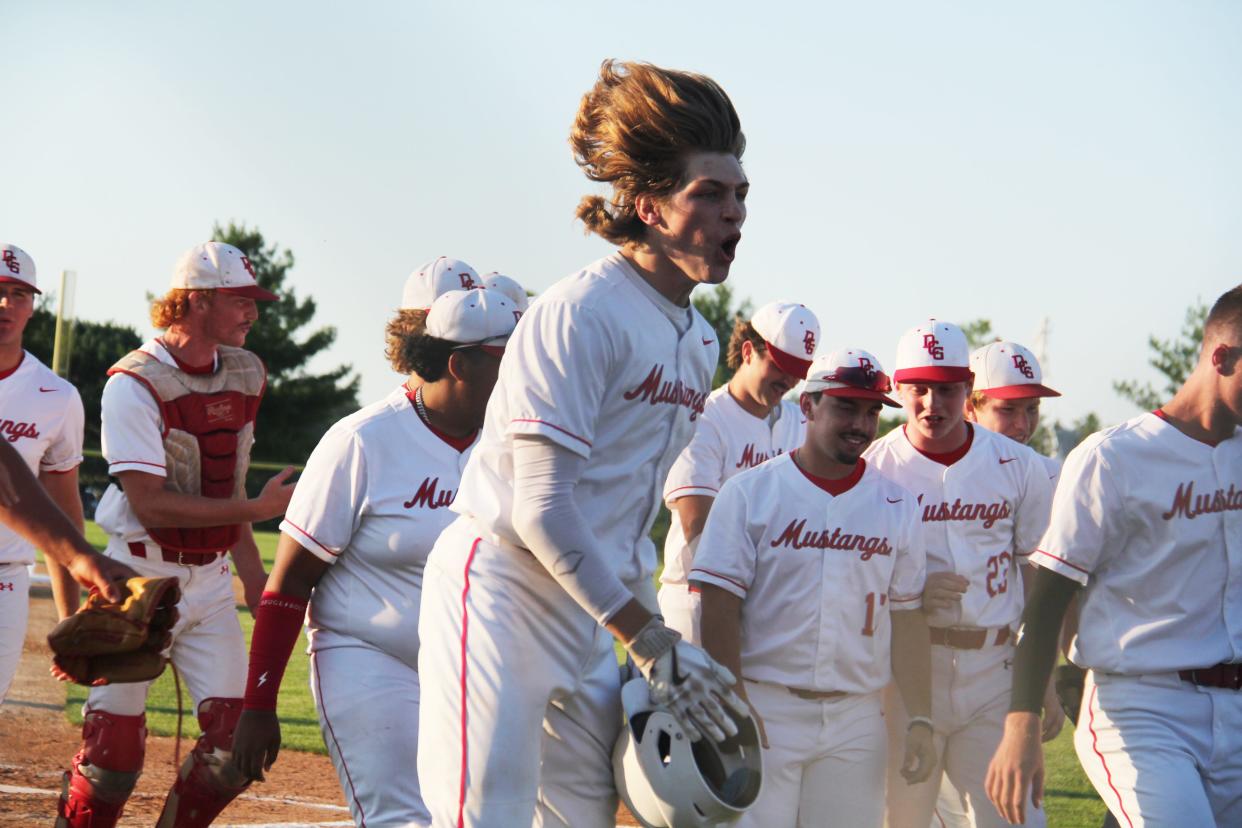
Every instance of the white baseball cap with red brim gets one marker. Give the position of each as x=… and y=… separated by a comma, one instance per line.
x=218, y=266
x=1008, y=371
x=16, y=267
x=851, y=372
x=509, y=287
x=471, y=318
x=435, y=278
x=933, y=352
x=790, y=332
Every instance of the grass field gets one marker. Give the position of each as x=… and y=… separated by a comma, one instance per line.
x=1071, y=801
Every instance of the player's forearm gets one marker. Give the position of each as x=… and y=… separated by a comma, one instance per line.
x=552, y=527
x=159, y=507
x=911, y=660
x=720, y=620
x=1037, y=640
x=35, y=516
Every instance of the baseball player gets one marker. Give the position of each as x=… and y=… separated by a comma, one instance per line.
x=1008, y=387
x=178, y=424
x=600, y=388
x=811, y=571
x=1148, y=520
x=744, y=423
x=41, y=417
x=984, y=502
x=370, y=504
x=1007, y=390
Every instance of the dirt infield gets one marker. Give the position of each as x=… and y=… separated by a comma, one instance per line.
x=36, y=743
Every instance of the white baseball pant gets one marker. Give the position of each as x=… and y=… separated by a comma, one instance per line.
x=825, y=762
x=970, y=699
x=367, y=702
x=1161, y=751
x=521, y=693
x=681, y=610
x=14, y=615
x=207, y=645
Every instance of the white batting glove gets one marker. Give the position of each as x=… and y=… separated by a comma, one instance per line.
x=687, y=681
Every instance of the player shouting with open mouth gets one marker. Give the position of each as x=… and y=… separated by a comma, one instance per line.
x=600, y=388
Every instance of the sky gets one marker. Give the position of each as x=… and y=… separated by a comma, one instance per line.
x=1063, y=161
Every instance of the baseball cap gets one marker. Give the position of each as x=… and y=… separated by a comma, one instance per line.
x=473, y=317
x=218, y=266
x=1008, y=371
x=790, y=332
x=435, y=278
x=851, y=372
x=933, y=352
x=509, y=287
x=16, y=267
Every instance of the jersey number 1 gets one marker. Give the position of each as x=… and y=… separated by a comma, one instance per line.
x=869, y=622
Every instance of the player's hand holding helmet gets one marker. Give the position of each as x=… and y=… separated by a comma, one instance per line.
x=687, y=681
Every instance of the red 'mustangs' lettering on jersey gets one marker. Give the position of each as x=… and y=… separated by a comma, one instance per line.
x=14, y=431
x=1189, y=505
x=429, y=496
x=795, y=536
x=988, y=513
x=656, y=391
x=752, y=458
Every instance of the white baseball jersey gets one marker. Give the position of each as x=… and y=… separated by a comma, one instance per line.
x=818, y=574
x=1150, y=521
x=372, y=500
x=596, y=367
x=40, y=416
x=981, y=515
x=131, y=437
x=728, y=440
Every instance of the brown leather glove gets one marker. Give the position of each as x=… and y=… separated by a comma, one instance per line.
x=107, y=643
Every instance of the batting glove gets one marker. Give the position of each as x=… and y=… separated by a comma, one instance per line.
x=688, y=682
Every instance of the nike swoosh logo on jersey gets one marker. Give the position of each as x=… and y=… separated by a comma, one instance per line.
x=1005, y=460
x=708, y=341
x=890, y=500
x=46, y=390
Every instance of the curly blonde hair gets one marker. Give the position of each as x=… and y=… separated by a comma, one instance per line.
x=634, y=129
x=174, y=306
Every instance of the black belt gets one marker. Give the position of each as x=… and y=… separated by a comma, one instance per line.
x=1225, y=675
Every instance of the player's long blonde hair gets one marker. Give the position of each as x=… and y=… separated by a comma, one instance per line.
x=174, y=306
x=634, y=129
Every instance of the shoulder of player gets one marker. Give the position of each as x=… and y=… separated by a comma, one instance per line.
x=376, y=416
x=1004, y=448
x=43, y=376
x=883, y=448
x=1107, y=443
x=759, y=478
x=594, y=286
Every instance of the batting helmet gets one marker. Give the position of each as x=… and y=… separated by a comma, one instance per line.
x=667, y=781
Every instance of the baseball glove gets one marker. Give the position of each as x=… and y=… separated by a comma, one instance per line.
x=107, y=643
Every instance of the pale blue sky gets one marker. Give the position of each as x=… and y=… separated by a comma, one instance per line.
x=1076, y=161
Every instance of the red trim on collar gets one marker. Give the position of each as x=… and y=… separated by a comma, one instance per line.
x=459, y=444
x=210, y=368
x=833, y=487
x=948, y=458
x=6, y=374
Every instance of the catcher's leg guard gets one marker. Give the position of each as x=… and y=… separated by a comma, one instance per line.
x=104, y=772
x=207, y=781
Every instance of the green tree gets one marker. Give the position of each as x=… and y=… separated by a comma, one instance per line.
x=717, y=308
x=1174, y=358
x=96, y=347
x=298, y=406
x=978, y=332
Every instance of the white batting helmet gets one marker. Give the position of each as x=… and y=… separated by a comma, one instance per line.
x=667, y=781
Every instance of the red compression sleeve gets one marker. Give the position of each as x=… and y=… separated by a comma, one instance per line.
x=276, y=629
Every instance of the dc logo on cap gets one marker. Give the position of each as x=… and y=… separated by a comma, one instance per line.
x=867, y=368
x=1020, y=362
x=245, y=260
x=467, y=283
x=10, y=259
x=808, y=342
x=933, y=346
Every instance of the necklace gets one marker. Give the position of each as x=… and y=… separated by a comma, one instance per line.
x=418, y=405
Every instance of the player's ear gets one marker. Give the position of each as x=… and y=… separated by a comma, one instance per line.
x=804, y=400
x=647, y=207
x=458, y=366
x=748, y=350
x=968, y=409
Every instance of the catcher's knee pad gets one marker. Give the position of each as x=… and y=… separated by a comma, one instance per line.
x=207, y=780
x=104, y=772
